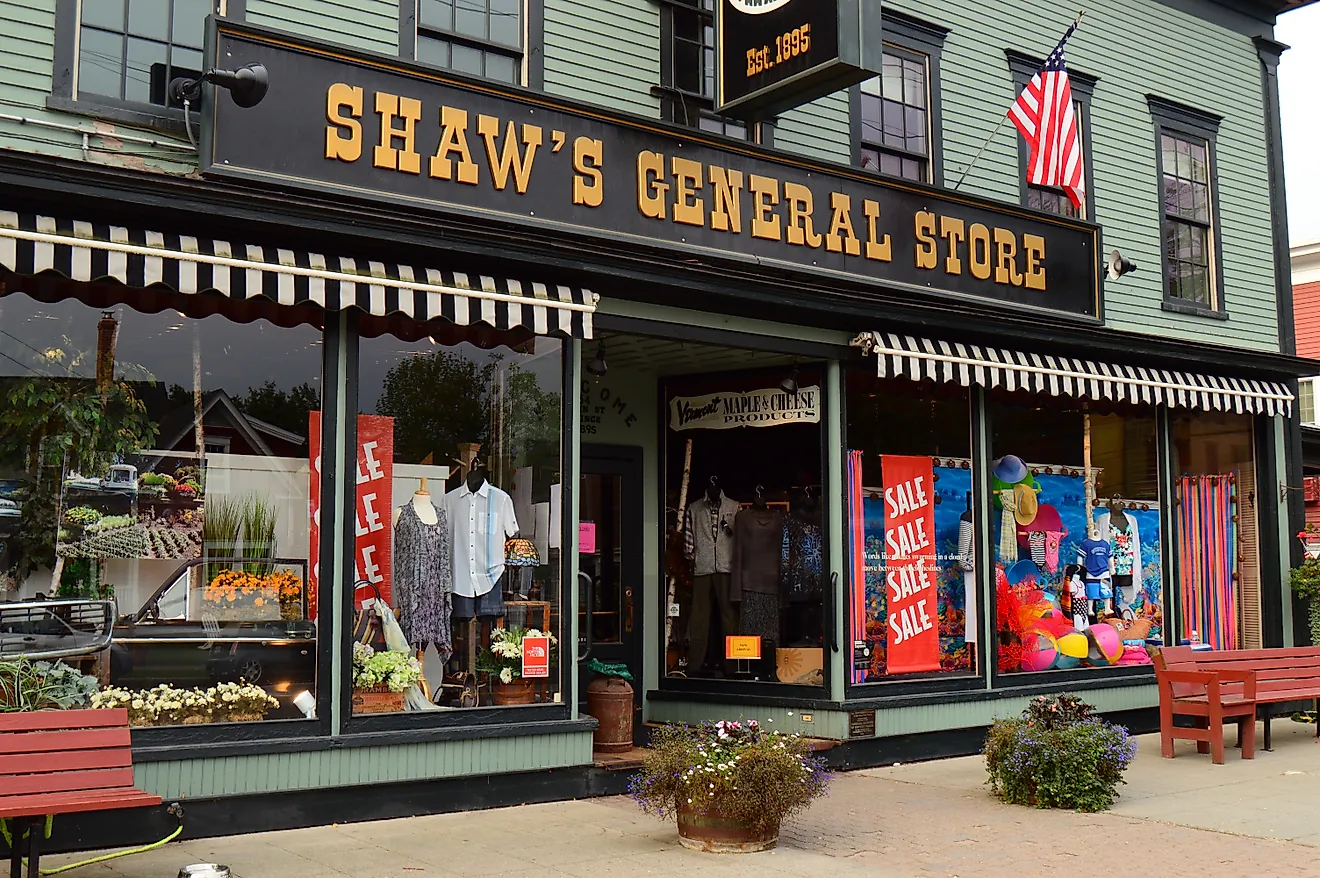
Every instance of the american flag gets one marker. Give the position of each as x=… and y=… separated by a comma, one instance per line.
x=1044, y=115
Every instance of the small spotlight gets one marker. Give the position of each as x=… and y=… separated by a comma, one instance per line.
x=247, y=85
x=790, y=384
x=305, y=702
x=598, y=366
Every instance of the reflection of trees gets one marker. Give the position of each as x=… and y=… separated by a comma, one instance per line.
x=285, y=409
x=442, y=399
x=56, y=421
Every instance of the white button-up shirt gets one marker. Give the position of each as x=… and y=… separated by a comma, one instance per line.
x=479, y=524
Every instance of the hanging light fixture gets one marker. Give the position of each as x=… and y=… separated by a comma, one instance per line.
x=790, y=384
x=598, y=366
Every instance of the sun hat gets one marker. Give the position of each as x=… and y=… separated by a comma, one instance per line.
x=1027, y=507
x=1009, y=469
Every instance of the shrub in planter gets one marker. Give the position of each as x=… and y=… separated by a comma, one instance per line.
x=36, y=685
x=1305, y=580
x=737, y=775
x=1057, y=755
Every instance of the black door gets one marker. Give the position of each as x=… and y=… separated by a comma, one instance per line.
x=610, y=565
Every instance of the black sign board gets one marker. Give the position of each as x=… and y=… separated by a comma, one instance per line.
x=861, y=723
x=773, y=55
x=377, y=128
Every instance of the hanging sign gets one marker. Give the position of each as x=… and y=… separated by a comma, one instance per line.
x=774, y=55
x=771, y=407
x=911, y=571
x=535, y=657
x=373, y=508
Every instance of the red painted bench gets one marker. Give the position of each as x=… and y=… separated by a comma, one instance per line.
x=1215, y=685
x=62, y=762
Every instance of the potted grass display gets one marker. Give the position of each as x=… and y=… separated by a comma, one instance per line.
x=728, y=785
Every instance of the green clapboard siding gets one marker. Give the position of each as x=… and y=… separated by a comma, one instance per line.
x=819, y=129
x=1135, y=48
x=236, y=775
x=605, y=52
x=832, y=724
x=361, y=24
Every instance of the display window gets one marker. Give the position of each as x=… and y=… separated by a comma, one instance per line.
x=911, y=528
x=1077, y=533
x=162, y=461
x=746, y=581
x=459, y=520
x=1217, y=533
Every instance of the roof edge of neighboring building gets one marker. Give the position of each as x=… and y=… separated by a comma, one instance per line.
x=1305, y=259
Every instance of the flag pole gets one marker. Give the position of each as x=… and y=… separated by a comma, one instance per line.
x=1002, y=119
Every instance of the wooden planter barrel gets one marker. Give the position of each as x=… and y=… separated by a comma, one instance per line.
x=519, y=691
x=714, y=833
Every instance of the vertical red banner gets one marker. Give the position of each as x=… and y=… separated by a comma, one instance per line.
x=911, y=572
x=373, y=507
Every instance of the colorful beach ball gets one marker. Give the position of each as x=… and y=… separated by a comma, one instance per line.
x=1074, y=645
x=1040, y=653
x=1106, y=645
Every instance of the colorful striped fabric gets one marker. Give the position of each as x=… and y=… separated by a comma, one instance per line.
x=1207, y=559
x=857, y=551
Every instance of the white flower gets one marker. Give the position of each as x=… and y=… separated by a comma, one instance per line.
x=506, y=675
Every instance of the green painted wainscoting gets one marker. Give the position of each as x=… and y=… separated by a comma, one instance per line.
x=955, y=714
x=350, y=766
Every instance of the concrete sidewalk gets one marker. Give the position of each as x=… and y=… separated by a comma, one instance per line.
x=1180, y=816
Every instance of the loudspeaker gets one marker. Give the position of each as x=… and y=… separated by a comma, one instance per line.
x=1119, y=265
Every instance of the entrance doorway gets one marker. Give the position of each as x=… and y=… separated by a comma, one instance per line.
x=610, y=566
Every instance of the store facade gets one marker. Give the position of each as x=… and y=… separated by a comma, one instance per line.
x=793, y=442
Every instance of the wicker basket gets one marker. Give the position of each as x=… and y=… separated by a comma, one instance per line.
x=378, y=699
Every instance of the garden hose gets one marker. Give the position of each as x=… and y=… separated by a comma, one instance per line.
x=175, y=809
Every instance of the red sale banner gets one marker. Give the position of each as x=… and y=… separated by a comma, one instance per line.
x=374, y=476
x=910, y=569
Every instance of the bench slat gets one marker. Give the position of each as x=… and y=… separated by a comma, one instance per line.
x=55, y=720
x=52, y=761
x=78, y=739
x=71, y=803
x=1302, y=666
x=1178, y=654
x=66, y=781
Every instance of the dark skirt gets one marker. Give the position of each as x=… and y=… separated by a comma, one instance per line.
x=760, y=615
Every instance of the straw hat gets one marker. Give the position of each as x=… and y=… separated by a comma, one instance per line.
x=1027, y=505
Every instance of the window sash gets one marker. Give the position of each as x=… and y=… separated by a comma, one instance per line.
x=1192, y=278
x=873, y=91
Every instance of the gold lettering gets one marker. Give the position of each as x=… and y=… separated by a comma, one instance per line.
x=880, y=250
x=954, y=231
x=688, y=208
x=511, y=158
x=765, y=195
x=978, y=251
x=1006, y=271
x=454, y=124
x=405, y=158
x=343, y=108
x=588, y=184
x=927, y=248
x=842, y=238
x=801, y=204
x=651, y=185
x=726, y=200
x=1034, y=247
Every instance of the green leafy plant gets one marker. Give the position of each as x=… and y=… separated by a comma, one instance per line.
x=737, y=770
x=259, y=520
x=1057, y=755
x=220, y=528
x=83, y=515
x=395, y=671
x=504, y=656
x=34, y=685
x=1305, y=581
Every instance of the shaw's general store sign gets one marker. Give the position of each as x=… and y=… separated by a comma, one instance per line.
x=377, y=128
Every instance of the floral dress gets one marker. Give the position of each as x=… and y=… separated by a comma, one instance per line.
x=423, y=580
x=1121, y=541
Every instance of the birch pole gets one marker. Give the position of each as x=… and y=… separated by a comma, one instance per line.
x=682, y=518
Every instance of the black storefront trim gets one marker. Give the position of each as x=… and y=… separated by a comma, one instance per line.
x=298, y=809
x=484, y=727
x=640, y=273
x=1272, y=577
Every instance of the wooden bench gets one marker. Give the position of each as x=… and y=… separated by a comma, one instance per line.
x=62, y=762
x=1215, y=685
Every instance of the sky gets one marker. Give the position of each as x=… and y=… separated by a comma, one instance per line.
x=1299, y=72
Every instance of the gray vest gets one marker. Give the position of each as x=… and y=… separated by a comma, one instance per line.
x=712, y=551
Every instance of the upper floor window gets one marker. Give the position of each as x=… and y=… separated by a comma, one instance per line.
x=1188, y=207
x=1306, y=412
x=895, y=118
x=687, y=68
x=896, y=115
x=480, y=37
x=129, y=50
x=1050, y=198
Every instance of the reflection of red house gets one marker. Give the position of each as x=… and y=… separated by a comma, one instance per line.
x=227, y=430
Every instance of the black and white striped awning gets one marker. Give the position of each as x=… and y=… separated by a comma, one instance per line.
x=903, y=356
x=83, y=251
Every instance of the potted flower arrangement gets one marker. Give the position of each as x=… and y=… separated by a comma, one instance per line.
x=503, y=660
x=728, y=784
x=1057, y=755
x=381, y=678
x=167, y=705
x=236, y=587
x=35, y=685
